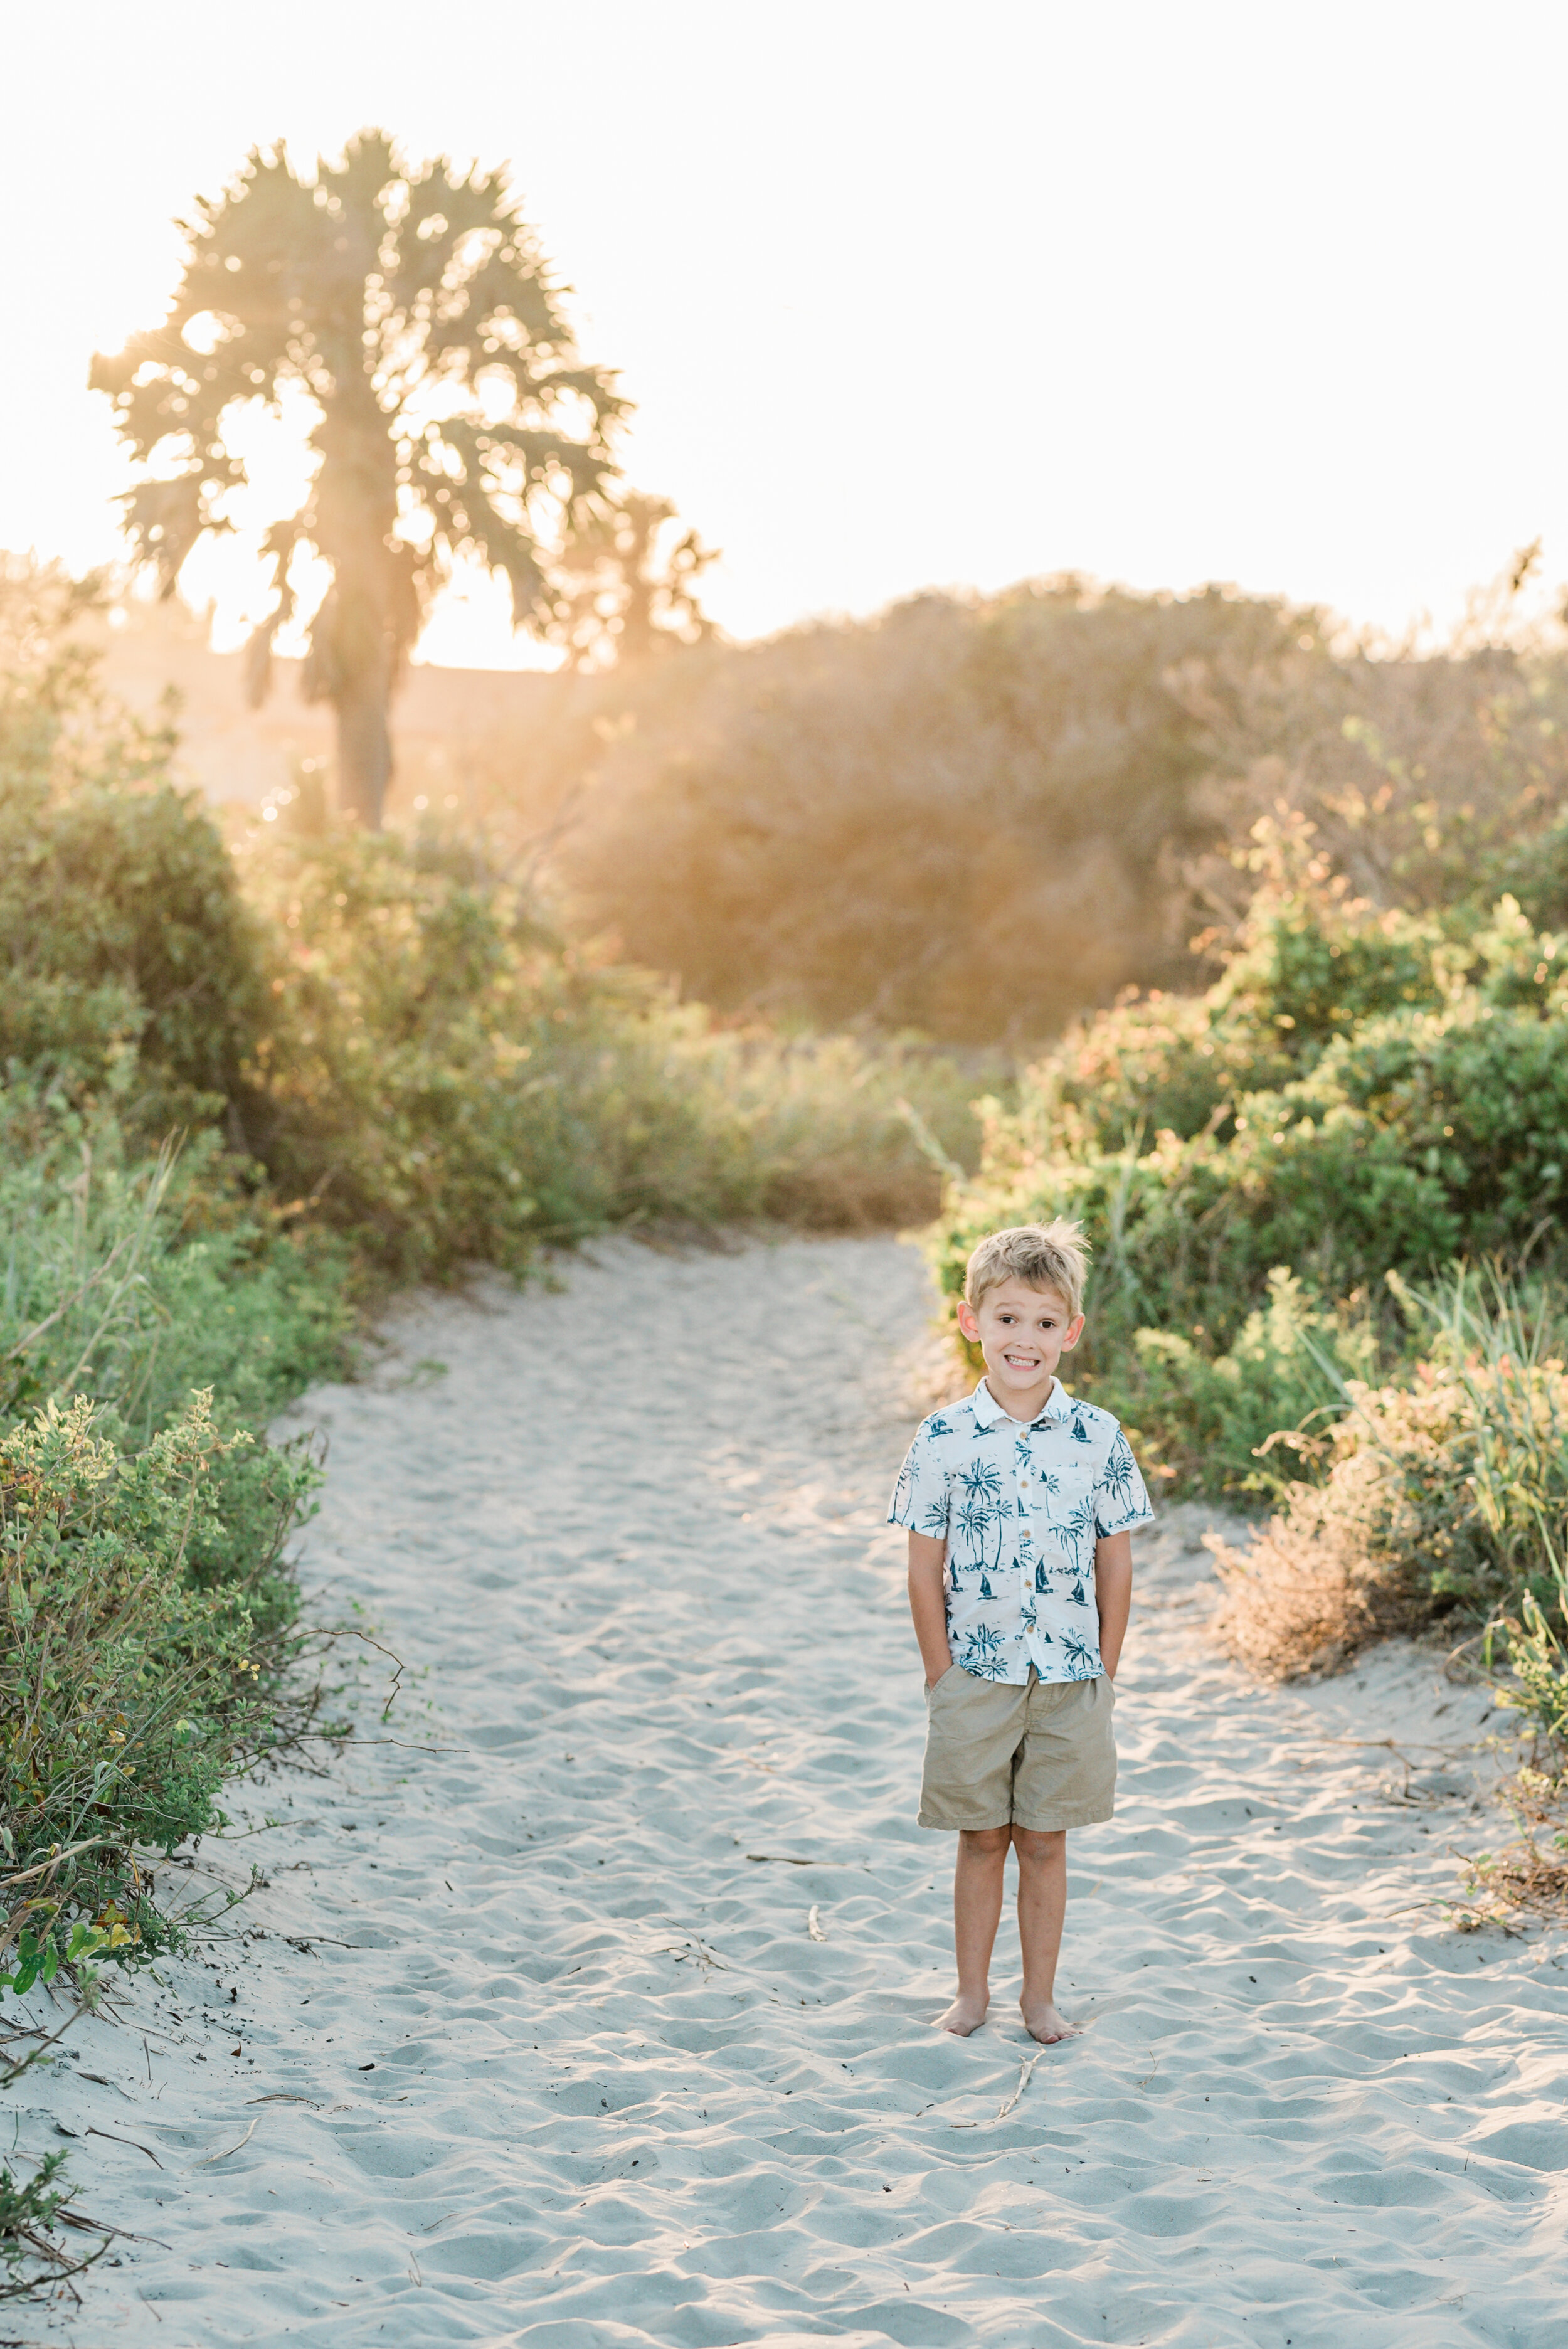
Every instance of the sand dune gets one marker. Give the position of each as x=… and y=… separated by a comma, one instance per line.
x=611, y=2025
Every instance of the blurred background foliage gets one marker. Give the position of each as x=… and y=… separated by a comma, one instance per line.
x=977, y=818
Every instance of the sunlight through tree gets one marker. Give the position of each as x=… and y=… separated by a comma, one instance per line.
x=454, y=418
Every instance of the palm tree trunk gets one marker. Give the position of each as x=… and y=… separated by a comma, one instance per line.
x=364, y=754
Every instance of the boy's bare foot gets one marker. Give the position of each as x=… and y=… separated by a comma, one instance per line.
x=1042, y=2022
x=965, y=2015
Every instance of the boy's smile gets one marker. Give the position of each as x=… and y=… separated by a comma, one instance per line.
x=1023, y=1333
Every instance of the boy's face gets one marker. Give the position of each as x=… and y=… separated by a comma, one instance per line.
x=1023, y=1333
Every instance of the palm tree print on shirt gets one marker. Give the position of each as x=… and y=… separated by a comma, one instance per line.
x=974, y=1521
x=982, y=1654
x=1120, y=1474
x=984, y=1508
x=1002, y=1496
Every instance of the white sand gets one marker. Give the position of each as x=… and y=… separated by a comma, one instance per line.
x=621, y=2096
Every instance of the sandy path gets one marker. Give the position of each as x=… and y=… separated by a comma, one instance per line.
x=621, y=2096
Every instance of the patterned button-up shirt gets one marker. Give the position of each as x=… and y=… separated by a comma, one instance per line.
x=1021, y=1508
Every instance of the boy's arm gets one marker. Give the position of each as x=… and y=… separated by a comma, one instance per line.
x=928, y=1604
x=1112, y=1595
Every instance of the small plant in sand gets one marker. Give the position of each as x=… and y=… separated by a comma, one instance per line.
x=29, y=2212
x=1531, y=1872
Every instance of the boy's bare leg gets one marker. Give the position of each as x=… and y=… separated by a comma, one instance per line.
x=1042, y=1905
x=976, y=1913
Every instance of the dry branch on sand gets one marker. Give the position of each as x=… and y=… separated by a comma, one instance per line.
x=1521, y=1878
x=1529, y=1875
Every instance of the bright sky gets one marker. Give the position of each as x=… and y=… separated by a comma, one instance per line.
x=908, y=293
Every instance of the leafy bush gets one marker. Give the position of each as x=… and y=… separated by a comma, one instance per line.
x=120, y=920
x=1357, y=1092
x=148, y=1631
x=1246, y=1421
x=148, y=1628
x=134, y=1279
x=124, y=944
x=445, y=1082
x=128, y=1692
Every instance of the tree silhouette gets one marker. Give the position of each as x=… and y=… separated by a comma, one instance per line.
x=414, y=311
x=626, y=585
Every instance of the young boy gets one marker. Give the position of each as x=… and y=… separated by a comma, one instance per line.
x=1020, y=1505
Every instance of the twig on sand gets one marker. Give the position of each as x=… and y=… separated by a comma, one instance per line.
x=134, y=2142
x=329, y=1737
x=11, y=2071
x=691, y=1951
x=814, y=1924
x=1025, y=2073
x=1394, y=1745
x=228, y=2149
x=781, y=1858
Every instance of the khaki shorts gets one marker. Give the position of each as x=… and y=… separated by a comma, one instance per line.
x=1042, y=1755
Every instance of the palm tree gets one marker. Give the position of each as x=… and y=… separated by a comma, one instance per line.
x=626, y=587
x=975, y=1520
x=413, y=309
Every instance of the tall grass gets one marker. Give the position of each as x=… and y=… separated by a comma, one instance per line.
x=132, y=1276
x=1443, y=1497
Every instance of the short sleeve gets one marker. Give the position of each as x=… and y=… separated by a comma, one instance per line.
x=1121, y=1498
x=921, y=1495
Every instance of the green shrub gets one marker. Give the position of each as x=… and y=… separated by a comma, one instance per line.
x=124, y=944
x=1250, y=1420
x=132, y=1279
x=446, y=1083
x=120, y=922
x=147, y=1634
x=147, y=1631
x=127, y=1691
x=1357, y=1092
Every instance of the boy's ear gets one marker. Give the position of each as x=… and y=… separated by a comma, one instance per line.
x=1072, y=1333
x=968, y=1321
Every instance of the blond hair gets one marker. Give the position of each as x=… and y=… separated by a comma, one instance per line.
x=1042, y=1256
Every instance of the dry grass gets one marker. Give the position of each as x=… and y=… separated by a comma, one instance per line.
x=1351, y=1560
x=1450, y=1494
x=1305, y=1598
